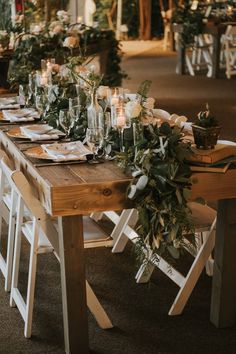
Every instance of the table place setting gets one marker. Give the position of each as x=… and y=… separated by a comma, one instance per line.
x=9, y=103
x=36, y=132
x=61, y=152
x=20, y=115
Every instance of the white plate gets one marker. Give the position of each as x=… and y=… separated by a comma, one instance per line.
x=6, y=100
x=37, y=128
x=66, y=148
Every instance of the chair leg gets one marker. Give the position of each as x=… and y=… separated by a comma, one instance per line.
x=16, y=258
x=189, y=66
x=193, y=275
x=144, y=273
x=128, y=217
x=31, y=281
x=227, y=58
x=10, y=244
x=96, y=216
x=96, y=309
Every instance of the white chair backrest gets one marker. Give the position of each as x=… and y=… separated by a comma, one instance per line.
x=35, y=207
x=6, y=169
x=230, y=31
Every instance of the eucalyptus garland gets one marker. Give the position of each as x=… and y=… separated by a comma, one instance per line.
x=160, y=189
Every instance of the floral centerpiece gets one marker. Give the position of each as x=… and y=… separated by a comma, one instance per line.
x=60, y=40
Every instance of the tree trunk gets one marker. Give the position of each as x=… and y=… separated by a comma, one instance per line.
x=145, y=11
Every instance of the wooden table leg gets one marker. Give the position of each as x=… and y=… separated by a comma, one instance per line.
x=71, y=252
x=223, y=301
x=180, y=69
x=216, y=57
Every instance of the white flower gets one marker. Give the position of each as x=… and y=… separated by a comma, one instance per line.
x=64, y=71
x=102, y=91
x=63, y=16
x=178, y=120
x=133, y=109
x=70, y=42
x=149, y=103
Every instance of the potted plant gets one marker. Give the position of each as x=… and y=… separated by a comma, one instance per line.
x=206, y=130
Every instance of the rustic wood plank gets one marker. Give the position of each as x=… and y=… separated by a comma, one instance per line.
x=88, y=198
x=223, y=301
x=60, y=175
x=214, y=186
x=95, y=173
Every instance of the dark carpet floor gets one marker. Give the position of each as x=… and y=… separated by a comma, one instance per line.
x=138, y=312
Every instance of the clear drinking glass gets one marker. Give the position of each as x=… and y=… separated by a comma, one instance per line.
x=94, y=138
x=40, y=104
x=22, y=98
x=66, y=121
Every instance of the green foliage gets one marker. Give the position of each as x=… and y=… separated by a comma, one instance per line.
x=130, y=15
x=159, y=189
x=144, y=88
x=191, y=21
x=32, y=48
x=5, y=11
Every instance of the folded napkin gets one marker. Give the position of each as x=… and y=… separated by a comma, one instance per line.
x=52, y=134
x=9, y=106
x=8, y=103
x=20, y=115
x=67, y=151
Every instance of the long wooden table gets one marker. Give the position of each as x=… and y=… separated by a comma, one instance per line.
x=71, y=191
x=216, y=30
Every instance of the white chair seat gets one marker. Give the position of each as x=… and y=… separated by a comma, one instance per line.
x=202, y=215
x=43, y=242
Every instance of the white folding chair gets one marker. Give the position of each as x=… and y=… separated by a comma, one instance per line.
x=7, y=213
x=37, y=231
x=229, y=50
x=199, y=56
x=204, y=219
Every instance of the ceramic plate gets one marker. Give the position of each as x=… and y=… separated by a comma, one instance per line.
x=37, y=152
x=37, y=128
x=67, y=148
x=17, y=134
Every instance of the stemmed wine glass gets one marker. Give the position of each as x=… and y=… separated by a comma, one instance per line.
x=22, y=98
x=40, y=105
x=66, y=121
x=94, y=138
x=74, y=108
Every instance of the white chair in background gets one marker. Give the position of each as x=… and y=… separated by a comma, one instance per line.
x=204, y=219
x=36, y=231
x=229, y=50
x=200, y=56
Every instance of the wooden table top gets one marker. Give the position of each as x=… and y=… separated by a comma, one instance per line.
x=75, y=189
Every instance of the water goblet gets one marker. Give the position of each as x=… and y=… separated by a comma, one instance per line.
x=66, y=121
x=40, y=104
x=22, y=97
x=94, y=139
